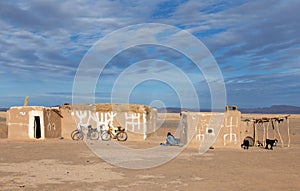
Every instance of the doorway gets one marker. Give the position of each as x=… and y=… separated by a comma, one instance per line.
x=37, y=127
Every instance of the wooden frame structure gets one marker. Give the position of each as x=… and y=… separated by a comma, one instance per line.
x=265, y=123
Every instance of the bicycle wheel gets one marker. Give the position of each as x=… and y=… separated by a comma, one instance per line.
x=94, y=135
x=122, y=136
x=77, y=136
x=105, y=136
x=73, y=132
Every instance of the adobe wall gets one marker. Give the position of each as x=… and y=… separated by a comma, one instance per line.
x=141, y=121
x=52, y=123
x=138, y=120
x=68, y=123
x=230, y=134
x=221, y=129
x=233, y=130
x=3, y=126
x=18, y=121
x=21, y=120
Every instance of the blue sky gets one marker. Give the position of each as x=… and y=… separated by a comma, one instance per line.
x=255, y=43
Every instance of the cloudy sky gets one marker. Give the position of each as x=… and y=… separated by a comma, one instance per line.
x=256, y=45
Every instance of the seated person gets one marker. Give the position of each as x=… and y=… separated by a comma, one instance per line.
x=171, y=140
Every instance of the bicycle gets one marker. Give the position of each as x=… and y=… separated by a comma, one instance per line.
x=78, y=134
x=118, y=134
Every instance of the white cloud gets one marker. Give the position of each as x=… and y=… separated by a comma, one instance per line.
x=47, y=39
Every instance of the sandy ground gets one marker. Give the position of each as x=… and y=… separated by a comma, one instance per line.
x=70, y=165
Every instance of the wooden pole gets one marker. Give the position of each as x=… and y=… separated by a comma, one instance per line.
x=277, y=128
x=26, y=101
x=264, y=136
x=255, y=133
x=268, y=129
x=288, y=129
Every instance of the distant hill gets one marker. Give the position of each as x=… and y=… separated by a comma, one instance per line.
x=178, y=110
x=274, y=109
x=3, y=109
x=169, y=110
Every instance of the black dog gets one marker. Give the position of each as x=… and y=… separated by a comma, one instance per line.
x=270, y=143
x=245, y=144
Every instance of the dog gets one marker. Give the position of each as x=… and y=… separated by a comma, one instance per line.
x=260, y=144
x=270, y=143
x=245, y=144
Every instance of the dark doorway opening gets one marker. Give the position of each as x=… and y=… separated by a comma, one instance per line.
x=37, y=127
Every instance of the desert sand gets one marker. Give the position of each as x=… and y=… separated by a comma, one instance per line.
x=59, y=164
